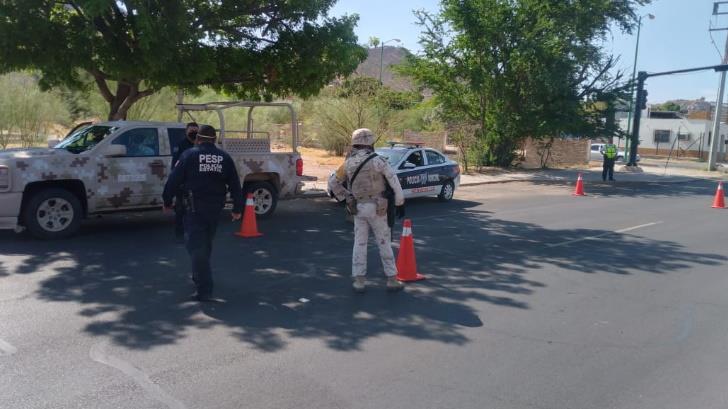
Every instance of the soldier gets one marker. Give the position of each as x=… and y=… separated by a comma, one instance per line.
x=206, y=173
x=179, y=209
x=366, y=175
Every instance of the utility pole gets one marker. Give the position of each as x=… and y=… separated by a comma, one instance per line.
x=715, y=137
x=631, y=88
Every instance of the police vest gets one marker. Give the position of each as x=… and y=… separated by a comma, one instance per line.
x=610, y=151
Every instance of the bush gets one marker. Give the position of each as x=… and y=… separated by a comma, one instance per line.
x=28, y=114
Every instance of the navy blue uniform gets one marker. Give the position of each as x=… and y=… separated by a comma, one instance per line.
x=179, y=208
x=206, y=173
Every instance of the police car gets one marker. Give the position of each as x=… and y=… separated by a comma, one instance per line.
x=421, y=171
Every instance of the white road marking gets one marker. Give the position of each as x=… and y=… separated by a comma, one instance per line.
x=566, y=243
x=6, y=349
x=98, y=354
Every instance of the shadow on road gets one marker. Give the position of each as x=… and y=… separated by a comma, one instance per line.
x=293, y=283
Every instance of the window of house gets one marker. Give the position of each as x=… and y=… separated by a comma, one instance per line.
x=683, y=136
x=662, y=135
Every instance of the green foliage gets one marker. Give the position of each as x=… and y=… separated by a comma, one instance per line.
x=255, y=49
x=669, y=106
x=511, y=69
x=360, y=102
x=28, y=114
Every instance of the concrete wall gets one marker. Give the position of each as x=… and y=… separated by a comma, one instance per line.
x=435, y=140
x=562, y=153
x=695, y=144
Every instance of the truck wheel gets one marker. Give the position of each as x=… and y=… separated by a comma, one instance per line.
x=265, y=197
x=447, y=192
x=52, y=214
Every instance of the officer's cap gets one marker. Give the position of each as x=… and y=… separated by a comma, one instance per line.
x=362, y=136
x=207, y=132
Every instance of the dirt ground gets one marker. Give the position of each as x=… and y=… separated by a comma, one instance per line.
x=319, y=163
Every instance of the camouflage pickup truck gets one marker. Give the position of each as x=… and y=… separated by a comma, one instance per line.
x=123, y=165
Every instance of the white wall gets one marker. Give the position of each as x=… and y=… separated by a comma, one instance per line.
x=697, y=129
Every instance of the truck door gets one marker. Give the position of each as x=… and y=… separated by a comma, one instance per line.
x=137, y=179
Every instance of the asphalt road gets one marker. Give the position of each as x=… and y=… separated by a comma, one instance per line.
x=534, y=299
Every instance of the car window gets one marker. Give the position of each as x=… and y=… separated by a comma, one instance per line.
x=176, y=135
x=139, y=142
x=595, y=148
x=434, y=158
x=85, y=138
x=416, y=158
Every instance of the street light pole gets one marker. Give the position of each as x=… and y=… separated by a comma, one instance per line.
x=631, y=86
x=381, y=57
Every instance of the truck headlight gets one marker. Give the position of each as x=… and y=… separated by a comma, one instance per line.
x=4, y=178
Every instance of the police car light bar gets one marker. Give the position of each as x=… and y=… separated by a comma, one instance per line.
x=392, y=144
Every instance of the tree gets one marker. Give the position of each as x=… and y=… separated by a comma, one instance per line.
x=132, y=48
x=360, y=102
x=670, y=106
x=511, y=69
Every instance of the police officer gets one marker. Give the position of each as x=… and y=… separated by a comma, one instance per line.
x=207, y=173
x=365, y=199
x=610, y=155
x=179, y=209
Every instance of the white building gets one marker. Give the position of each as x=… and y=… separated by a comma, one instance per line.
x=669, y=133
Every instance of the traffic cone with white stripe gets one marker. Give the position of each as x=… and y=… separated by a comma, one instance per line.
x=249, y=227
x=579, y=191
x=406, y=263
x=719, y=201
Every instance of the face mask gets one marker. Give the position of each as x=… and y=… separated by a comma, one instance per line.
x=192, y=134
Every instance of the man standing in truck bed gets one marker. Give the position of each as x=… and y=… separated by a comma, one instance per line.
x=206, y=173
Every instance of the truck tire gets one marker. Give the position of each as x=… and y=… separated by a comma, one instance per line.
x=265, y=197
x=52, y=213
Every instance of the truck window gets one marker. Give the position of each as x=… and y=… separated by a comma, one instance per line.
x=139, y=142
x=176, y=135
x=85, y=138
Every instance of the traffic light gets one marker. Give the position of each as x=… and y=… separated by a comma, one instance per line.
x=642, y=99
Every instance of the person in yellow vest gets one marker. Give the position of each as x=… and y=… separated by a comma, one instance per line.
x=610, y=156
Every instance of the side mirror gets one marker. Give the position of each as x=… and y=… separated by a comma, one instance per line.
x=53, y=142
x=115, y=150
x=408, y=165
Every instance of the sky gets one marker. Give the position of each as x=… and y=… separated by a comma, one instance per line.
x=677, y=38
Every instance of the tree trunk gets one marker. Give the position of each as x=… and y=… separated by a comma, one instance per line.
x=117, y=108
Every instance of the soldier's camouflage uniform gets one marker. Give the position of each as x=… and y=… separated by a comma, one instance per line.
x=368, y=189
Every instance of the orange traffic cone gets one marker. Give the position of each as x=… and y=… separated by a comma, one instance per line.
x=406, y=264
x=719, y=201
x=579, y=191
x=249, y=227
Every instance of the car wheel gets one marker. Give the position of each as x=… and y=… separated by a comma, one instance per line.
x=265, y=198
x=53, y=214
x=447, y=191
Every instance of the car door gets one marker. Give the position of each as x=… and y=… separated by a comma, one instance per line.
x=137, y=179
x=413, y=175
x=439, y=170
x=595, y=153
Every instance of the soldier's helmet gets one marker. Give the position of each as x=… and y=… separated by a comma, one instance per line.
x=362, y=136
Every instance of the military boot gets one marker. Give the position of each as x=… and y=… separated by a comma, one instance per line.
x=394, y=285
x=360, y=284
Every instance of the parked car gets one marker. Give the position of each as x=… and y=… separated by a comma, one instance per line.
x=421, y=171
x=597, y=153
x=121, y=166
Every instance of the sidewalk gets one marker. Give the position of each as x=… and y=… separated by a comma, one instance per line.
x=650, y=174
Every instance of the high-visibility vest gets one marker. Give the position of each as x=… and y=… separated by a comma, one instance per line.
x=610, y=151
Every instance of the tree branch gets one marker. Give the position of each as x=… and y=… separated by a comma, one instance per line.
x=100, y=79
